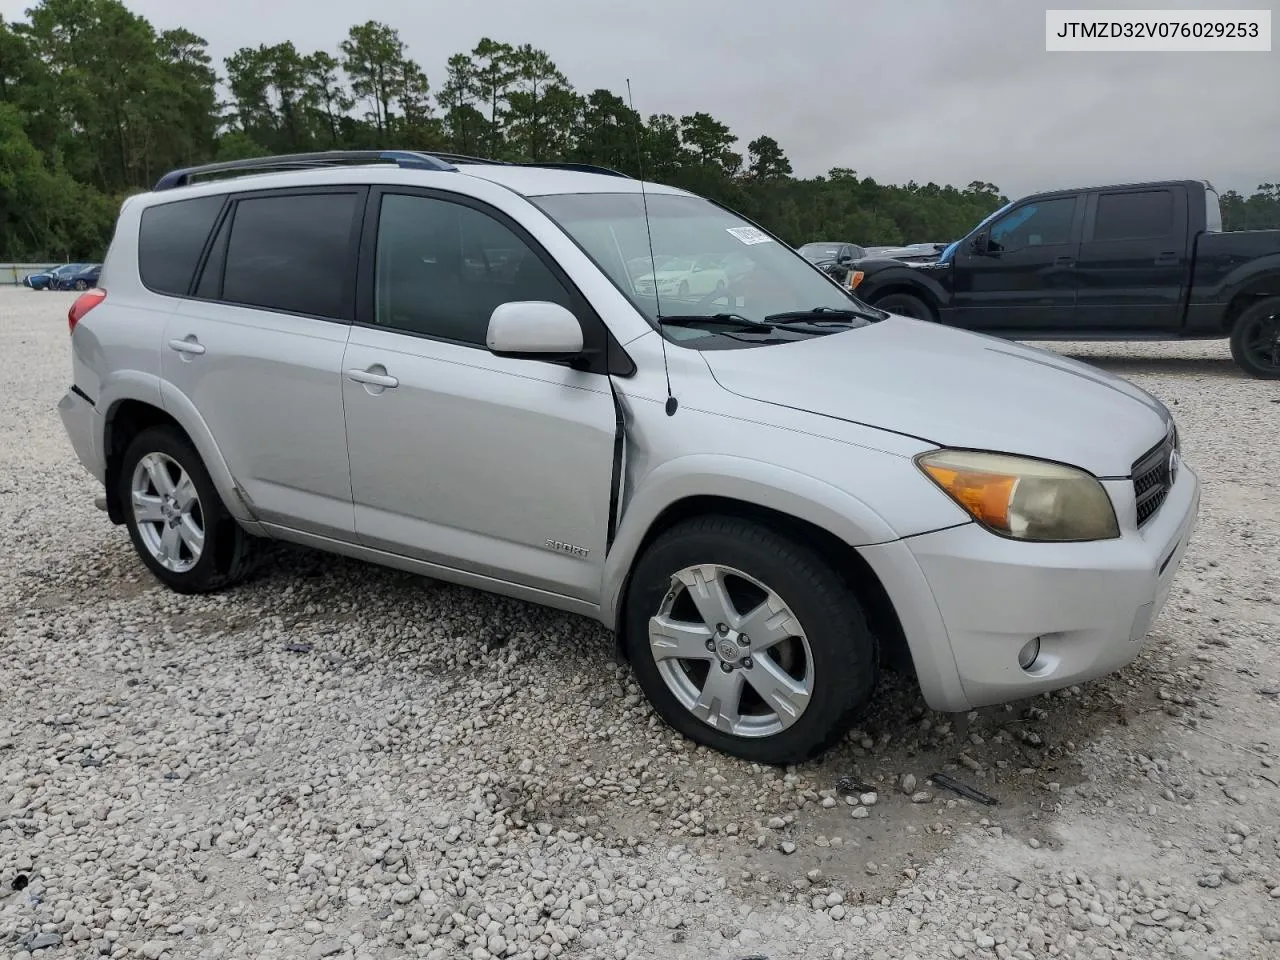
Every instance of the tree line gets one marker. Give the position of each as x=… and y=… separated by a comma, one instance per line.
x=95, y=104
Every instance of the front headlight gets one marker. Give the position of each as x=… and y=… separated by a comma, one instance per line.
x=1023, y=498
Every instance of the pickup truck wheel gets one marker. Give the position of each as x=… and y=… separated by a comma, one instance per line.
x=176, y=520
x=746, y=641
x=1255, y=339
x=906, y=305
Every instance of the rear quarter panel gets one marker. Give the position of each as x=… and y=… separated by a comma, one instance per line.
x=1228, y=265
x=116, y=352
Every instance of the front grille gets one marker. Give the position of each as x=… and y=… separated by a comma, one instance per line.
x=1153, y=475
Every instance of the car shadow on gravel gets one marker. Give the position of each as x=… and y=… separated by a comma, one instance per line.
x=616, y=772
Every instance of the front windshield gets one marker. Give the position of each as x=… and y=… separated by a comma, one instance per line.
x=948, y=253
x=816, y=252
x=709, y=261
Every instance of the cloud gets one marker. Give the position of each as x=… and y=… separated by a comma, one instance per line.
x=943, y=90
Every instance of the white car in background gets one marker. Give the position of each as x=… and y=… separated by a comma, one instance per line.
x=685, y=277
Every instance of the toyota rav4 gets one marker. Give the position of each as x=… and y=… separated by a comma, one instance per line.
x=767, y=488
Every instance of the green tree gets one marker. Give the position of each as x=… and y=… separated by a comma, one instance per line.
x=16, y=62
x=664, y=154
x=97, y=103
x=766, y=163
x=373, y=56
x=494, y=76
x=327, y=92
x=44, y=213
x=609, y=133
x=464, y=126
x=542, y=106
x=711, y=142
x=107, y=78
x=192, y=110
x=249, y=80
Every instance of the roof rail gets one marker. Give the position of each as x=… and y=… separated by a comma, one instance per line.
x=580, y=167
x=466, y=158
x=303, y=161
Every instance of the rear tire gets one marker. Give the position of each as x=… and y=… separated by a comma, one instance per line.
x=177, y=522
x=906, y=305
x=82, y=285
x=1255, y=339
x=820, y=674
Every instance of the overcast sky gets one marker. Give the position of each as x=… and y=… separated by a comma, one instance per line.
x=942, y=90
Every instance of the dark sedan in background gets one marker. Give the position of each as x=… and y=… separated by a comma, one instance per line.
x=48, y=278
x=82, y=279
x=835, y=258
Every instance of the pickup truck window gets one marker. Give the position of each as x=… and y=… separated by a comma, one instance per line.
x=1134, y=216
x=1212, y=211
x=1045, y=221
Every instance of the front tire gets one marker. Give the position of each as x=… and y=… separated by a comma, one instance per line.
x=747, y=641
x=1255, y=340
x=906, y=305
x=178, y=523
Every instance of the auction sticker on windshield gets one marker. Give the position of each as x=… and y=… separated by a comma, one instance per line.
x=749, y=234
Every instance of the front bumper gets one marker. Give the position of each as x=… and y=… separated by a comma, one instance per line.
x=1090, y=604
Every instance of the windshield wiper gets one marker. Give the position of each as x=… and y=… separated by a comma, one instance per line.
x=727, y=320
x=820, y=313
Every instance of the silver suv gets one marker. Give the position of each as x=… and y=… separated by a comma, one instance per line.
x=765, y=487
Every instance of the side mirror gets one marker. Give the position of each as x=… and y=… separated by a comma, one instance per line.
x=534, y=329
x=845, y=258
x=980, y=245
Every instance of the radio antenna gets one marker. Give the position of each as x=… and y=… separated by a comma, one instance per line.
x=672, y=403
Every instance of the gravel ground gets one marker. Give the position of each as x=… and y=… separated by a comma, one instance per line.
x=339, y=760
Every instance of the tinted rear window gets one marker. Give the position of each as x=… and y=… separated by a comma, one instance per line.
x=292, y=254
x=1134, y=216
x=1212, y=211
x=170, y=241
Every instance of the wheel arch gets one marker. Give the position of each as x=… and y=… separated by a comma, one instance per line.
x=885, y=277
x=917, y=290
x=128, y=415
x=835, y=549
x=1254, y=289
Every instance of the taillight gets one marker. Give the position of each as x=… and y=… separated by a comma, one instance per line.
x=84, y=303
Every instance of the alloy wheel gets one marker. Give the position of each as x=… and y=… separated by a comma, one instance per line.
x=731, y=651
x=168, y=513
x=1260, y=341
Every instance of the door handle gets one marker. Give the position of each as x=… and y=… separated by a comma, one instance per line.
x=189, y=345
x=1063, y=261
x=1167, y=259
x=372, y=378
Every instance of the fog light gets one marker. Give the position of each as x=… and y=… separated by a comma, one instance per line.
x=1028, y=654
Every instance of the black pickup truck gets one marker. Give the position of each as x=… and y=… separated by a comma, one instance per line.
x=1146, y=261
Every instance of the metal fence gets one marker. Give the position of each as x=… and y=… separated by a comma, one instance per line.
x=12, y=273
